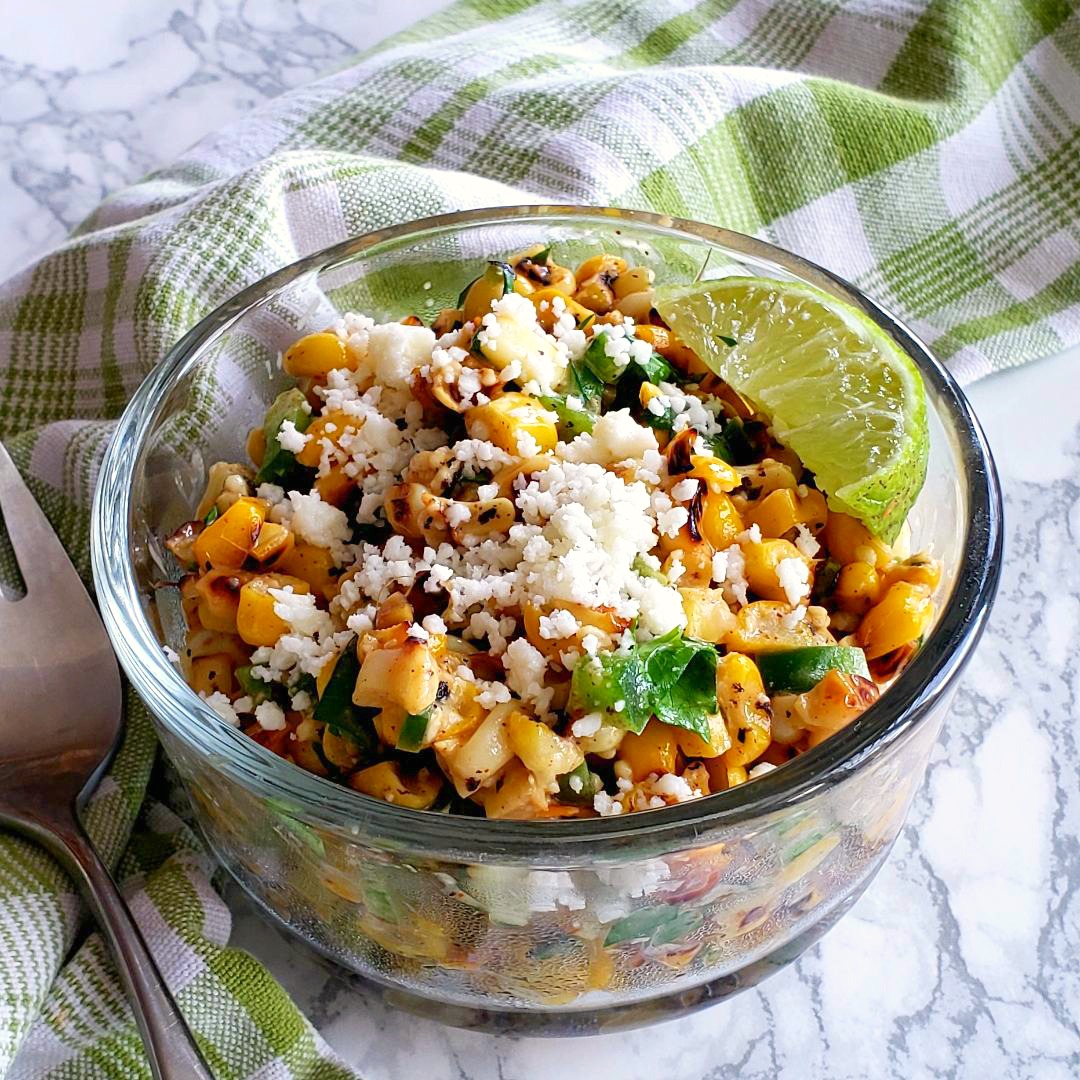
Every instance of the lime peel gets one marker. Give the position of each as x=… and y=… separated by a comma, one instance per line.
x=835, y=387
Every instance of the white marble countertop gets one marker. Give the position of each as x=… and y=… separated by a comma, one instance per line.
x=961, y=959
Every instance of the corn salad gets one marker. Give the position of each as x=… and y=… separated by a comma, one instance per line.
x=534, y=560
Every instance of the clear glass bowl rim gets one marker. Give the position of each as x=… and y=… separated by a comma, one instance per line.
x=338, y=808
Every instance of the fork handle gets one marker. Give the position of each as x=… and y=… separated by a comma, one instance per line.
x=170, y=1046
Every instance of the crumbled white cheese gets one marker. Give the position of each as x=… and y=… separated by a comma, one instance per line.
x=587, y=726
x=270, y=716
x=685, y=490
x=290, y=439
x=395, y=351
x=805, y=542
x=223, y=707
x=793, y=576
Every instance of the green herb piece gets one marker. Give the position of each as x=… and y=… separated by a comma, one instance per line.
x=825, y=581
x=798, y=670
x=672, y=678
x=578, y=786
x=584, y=385
x=727, y=340
x=336, y=709
x=212, y=515
x=733, y=444
x=256, y=689
x=541, y=256
x=572, y=422
x=413, y=731
x=278, y=463
x=661, y=925
x=640, y=566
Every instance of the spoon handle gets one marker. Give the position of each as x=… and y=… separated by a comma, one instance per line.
x=170, y=1046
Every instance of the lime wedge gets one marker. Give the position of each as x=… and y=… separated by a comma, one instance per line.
x=836, y=389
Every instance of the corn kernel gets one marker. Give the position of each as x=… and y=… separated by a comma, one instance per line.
x=315, y=355
x=902, y=615
x=655, y=750
x=256, y=621
x=509, y=415
x=226, y=542
x=858, y=588
x=762, y=560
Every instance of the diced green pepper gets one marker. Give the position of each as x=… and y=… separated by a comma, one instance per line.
x=799, y=670
x=212, y=515
x=278, y=463
x=572, y=422
x=578, y=786
x=336, y=709
x=414, y=731
x=256, y=689
x=661, y=925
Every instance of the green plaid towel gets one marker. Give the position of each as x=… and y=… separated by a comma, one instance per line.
x=929, y=150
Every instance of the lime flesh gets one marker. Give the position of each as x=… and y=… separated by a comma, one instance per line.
x=836, y=389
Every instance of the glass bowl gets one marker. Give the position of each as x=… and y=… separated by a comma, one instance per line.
x=547, y=926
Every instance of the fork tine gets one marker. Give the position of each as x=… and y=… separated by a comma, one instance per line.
x=41, y=557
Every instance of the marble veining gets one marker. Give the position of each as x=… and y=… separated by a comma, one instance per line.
x=963, y=958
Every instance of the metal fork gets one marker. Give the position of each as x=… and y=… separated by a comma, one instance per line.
x=61, y=718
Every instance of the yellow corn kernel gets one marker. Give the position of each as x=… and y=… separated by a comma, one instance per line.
x=274, y=542
x=212, y=673
x=218, y=596
x=483, y=292
x=546, y=315
x=741, y=696
x=760, y=627
x=849, y=540
x=517, y=340
x=545, y=754
x=783, y=508
x=718, y=475
x=693, y=745
x=708, y=616
x=405, y=675
x=516, y=794
x=902, y=615
x=384, y=781
x=334, y=487
x=256, y=445
x=918, y=570
x=315, y=355
x=723, y=775
x=655, y=750
x=256, y=621
x=637, y=279
x=226, y=542
x=330, y=426
x=509, y=415
x=312, y=564
x=340, y=750
x=858, y=588
x=484, y=754
x=647, y=392
x=720, y=522
x=595, y=280
x=762, y=560
x=602, y=623
x=671, y=348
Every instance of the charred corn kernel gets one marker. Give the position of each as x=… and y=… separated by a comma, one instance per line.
x=484, y=754
x=274, y=542
x=849, y=540
x=761, y=627
x=340, y=750
x=834, y=702
x=509, y=416
x=335, y=486
x=210, y=674
x=766, y=476
x=330, y=427
x=589, y=620
x=594, y=290
x=744, y=704
x=483, y=292
x=218, y=598
x=256, y=445
x=858, y=587
x=256, y=621
x=516, y=794
x=446, y=320
x=226, y=542
x=762, y=566
x=655, y=750
x=671, y=348
x=547, y=311
x=647, y=392
x=918, y=570
x=903, y=614
x=384, y=781
x=393, y=610
x=610, y=265
x=718, y=742
x=720, y=522
x=718, y=475
x=722, y=775
x=312, y=564
x=406, y=675
x=545, y=754
x=315, y=355
x=636, y=279
x=708, y=616
x=783, y=509
x=693, y=560
x=604, y=742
